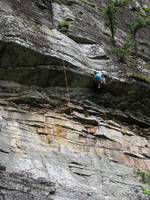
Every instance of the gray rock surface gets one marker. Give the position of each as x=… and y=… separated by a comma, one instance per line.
x=70, y=143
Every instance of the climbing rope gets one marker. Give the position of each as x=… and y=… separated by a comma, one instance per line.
x=64, y=68
x=70, y=110
x=67, y=87
x=89, y=155
x=87, y=146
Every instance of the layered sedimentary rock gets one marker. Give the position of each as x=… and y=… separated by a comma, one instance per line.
x=60, y=138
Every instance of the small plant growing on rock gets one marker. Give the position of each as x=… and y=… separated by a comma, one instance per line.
x=121, y=53
x=64, y=25
x=125, y=51
x=145, y=178
x=146, y=191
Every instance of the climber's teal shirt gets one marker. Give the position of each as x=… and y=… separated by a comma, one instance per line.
x=98, y=77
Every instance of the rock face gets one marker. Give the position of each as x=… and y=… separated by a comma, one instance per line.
x=60, y=138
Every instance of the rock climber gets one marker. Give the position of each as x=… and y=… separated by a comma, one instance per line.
x=99, y=79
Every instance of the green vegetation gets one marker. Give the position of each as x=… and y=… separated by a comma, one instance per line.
x=146, y=10
x=121, y=53
x=142, y=20
x=64, y=25
x=131, y=43
x=125, y=51
x=110, y=13
x=142, y=78
x=111, y=22
x=146, y=191
x=144, y=178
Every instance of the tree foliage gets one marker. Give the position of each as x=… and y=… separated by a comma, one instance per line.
x=141, y=20
x=111, y=15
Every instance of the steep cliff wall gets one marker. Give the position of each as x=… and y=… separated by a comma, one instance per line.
x=60, y=138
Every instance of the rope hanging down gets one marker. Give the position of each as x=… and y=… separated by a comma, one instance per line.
x=67, y=87
x=70, y=110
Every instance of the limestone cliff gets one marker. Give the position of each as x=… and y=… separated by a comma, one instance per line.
x=60, y=138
